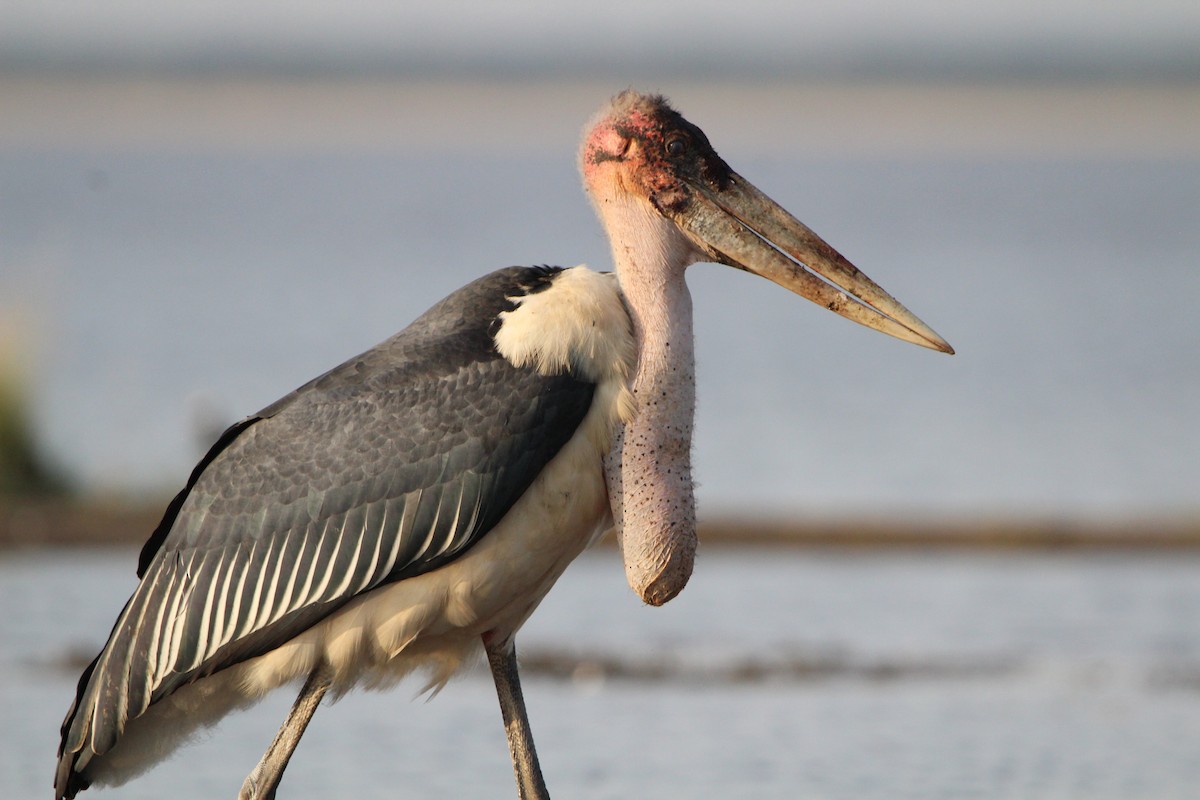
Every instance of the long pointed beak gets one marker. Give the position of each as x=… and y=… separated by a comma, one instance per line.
x=742, y=227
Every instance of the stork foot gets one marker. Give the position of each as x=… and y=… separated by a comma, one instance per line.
x=250, y=787
x=264, y=779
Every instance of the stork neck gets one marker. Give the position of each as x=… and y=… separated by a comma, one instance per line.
x=650, y=269
x=651, y=255
x=650, y=469
x=661, y=310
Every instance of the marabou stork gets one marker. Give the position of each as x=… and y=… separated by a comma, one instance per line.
x=421, y=498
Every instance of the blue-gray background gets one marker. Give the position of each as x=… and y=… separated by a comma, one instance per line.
x=204, y=204
x=200, y=209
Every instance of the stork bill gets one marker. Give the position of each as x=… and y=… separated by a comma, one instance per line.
x=672, y=163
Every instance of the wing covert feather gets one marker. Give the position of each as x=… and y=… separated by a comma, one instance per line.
x=386, y=467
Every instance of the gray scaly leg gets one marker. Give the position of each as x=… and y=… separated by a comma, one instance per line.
x=503, y=661
x=262, y=782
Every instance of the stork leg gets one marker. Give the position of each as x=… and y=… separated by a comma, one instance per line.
x=502, y=659
x=262, y=782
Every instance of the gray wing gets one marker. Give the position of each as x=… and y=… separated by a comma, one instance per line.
x=386, y=467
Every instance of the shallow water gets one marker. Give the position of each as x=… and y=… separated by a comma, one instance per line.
x=777, y=674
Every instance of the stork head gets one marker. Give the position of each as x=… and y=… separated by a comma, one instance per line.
x=641, y=155
x=668, y=200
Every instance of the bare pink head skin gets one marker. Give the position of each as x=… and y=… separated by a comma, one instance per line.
x=667, y=200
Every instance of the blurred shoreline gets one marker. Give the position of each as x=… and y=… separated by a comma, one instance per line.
x=125, y=523
x=255, y=113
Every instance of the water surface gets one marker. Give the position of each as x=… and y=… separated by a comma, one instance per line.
x=945, y=676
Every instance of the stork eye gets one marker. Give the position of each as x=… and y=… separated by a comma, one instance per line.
x=676, y=146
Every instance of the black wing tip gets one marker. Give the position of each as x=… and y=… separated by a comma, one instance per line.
x=68, y=782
